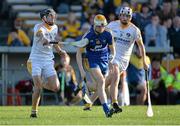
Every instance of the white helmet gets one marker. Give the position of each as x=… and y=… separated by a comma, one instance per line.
x=100, y=20
x=126, y=11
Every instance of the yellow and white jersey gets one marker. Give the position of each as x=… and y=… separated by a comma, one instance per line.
x=39, y=51
x=124, y=41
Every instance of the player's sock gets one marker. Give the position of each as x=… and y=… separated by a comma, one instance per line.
x=115, y=101
x=33, y=114
x=109, y=112
x=105, y=107
x=87, y=106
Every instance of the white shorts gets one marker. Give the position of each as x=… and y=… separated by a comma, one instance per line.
x=123, y=64
x=44, y=68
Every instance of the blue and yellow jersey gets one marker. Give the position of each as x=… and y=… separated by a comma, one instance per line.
x=98, y=46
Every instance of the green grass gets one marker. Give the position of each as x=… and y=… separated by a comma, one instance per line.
x=60, y=115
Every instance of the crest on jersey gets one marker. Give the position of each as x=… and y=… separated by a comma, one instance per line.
x=128, y=35
x=121, y=34
x=98, y=42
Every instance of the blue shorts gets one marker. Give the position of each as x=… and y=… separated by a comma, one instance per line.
x=103, y=65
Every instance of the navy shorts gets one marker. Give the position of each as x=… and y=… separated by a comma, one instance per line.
x=103, y=65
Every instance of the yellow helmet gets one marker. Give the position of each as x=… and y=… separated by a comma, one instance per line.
x=100, y=20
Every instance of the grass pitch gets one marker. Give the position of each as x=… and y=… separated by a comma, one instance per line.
x=74, y=115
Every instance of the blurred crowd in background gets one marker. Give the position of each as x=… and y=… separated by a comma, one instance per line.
x=158, y=20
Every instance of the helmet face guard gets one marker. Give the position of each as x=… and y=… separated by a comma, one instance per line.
x=125, y=15
x=126, y=11
x=48, y=16
x=100, y=20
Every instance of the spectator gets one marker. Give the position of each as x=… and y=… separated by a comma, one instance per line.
x=166, y=11
x=143, y=18
x=174, y=90
x=68, y=83
x=111, y=17
x=167, y=25
x=99, y=7
x=63, y=8
x=155, y=71
x=174, y=34
x=124, y=4
x=155, y=34
x=25, y=86
x=110, y=6
x=136, y=75
x=158, y=85
x=85, y=27
x=71, y=28
x=91, y=19
x=17, y=37
x=135, y=6
x=175, y=8
x=154, y=6
x=87, y=9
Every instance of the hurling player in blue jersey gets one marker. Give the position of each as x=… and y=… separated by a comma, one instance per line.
x=99, y=41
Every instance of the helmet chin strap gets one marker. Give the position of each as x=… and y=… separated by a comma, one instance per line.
x=49, y=23
x=96, y=30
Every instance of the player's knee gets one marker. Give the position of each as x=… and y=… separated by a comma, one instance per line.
x=56, y=88
x=37, y=83
x=37, y=90
x=101, y=81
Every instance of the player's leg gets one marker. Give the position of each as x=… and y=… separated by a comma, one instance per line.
x=76, y=99
x=114, y=88
x=52, y=83
x=91, y=84
x=50, y=74
x=123, y=91
x=100, y=80
x=36, y=95
x=34, y=68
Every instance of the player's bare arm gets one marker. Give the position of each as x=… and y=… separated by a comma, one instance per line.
x=143, y=52
x=59, y=50
x=79, y=62
x=112, y=50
